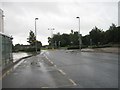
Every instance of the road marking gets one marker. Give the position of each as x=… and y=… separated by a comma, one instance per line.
x=72, y=82
x=6, y=73
x=51, y=62
x=55, y=66
x=10, y=70
x=44, y=87
x=46, y=57
x=3, y=75
x=61, y=72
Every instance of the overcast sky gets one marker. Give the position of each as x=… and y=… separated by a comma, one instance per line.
x=19, y=18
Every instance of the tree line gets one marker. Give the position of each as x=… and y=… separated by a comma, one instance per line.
x=96, y=37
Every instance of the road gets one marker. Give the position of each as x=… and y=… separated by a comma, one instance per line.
x=61, y=68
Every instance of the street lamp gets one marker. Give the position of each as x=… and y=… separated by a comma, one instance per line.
x=51, y=35
x=79, y=34
x=36, y=35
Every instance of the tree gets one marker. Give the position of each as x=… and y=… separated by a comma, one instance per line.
x=49, y=40
x=96, y=36
x=72, y=31
x=86, y=40
x=32, y=38
x=112, y=34
x=118, y=34
x=39, y=44
x=65, y=40
x=74, y=38
x=56, y=39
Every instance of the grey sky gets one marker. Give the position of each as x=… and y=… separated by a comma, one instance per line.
x=19, y=17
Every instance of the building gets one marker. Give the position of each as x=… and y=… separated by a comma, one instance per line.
x=5, y=45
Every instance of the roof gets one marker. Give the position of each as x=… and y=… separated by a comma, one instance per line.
x=6, y=35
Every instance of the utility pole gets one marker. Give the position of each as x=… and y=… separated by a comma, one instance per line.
x=35, y=36
x=51, y=36
x=79, y=35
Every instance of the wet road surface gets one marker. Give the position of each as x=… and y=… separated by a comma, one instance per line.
x=61, y=68
x=88, y=69
x=35, y=72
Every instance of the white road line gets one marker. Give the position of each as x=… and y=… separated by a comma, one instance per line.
x=55, y=66
x=46, y=57
x=51, y=62
x=61, y=72
x=44, y=87
x=3, y=75
x=72, y=82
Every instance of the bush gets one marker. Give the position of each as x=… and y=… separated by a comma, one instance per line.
x=77, y=47
x=30, y=49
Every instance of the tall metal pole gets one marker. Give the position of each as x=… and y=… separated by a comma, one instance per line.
x=35, y=36
x=80, y=42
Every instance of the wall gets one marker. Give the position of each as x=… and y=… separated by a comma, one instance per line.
x=6, y=45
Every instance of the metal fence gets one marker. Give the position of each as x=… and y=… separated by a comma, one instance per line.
x=5, y=50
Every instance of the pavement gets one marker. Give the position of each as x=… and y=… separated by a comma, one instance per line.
x=102, y=50
x=64, y=69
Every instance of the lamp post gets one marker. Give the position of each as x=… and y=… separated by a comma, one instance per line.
x=35, y=36
x=80, y=42
x=51, y=35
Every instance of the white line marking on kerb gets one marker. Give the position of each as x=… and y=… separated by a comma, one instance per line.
x=46, y=57
x=72, y=82
x=61, y=71
x=51, y=62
